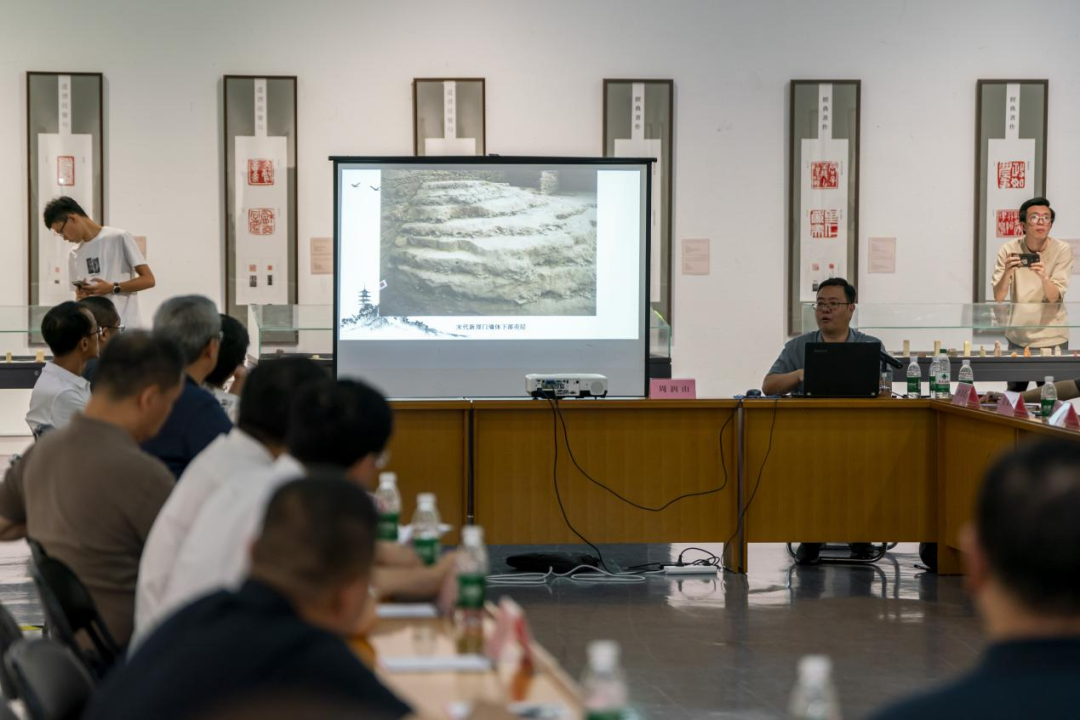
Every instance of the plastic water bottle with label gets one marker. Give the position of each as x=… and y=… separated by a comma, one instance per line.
x=935, y=363
x=388, y=502
x=914, y=378
x=944, y=376
x=966, y=376
x=603, y=683
x=1047, y=398
x=425, y=528
x=814, y=697
x=472, y=570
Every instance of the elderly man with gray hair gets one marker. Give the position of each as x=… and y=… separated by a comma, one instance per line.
x=193, y=323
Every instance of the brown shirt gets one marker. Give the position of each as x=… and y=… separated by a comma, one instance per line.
x=1027, y=287
x=89, y=495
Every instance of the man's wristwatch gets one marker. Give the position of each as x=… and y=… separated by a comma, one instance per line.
x=116, y=288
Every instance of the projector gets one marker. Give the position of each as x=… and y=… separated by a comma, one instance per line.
x=560, y=385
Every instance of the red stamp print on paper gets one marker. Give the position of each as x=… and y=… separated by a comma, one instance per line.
x=1008, y=224
x=824, y=176
x=824, y=223
x=260, y=221
x=1012, y=175
x=65, y=170
x=260, y=172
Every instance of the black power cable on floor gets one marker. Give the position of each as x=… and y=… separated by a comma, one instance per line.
x=557, y=419
x=757, y=484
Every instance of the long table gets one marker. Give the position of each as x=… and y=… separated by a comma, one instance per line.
x=788, y=470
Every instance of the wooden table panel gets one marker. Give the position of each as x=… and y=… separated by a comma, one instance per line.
x=840, y=471
x=429, y=453
x=648, y=451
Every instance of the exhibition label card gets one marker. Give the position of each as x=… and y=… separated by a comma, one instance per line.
x=322, y=256
x=673, y=389
x=695, y=256
x=882, y=255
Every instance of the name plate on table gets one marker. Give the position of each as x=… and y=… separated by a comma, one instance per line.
x=1065, y=417
x=966, y=397
x=673, y=389
x=1012, y=404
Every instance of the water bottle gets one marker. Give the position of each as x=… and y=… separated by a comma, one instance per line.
x=425, y=528
x=1047, y=398
x=813, y=697
x=944, y=375
x=914, y=378
x=472, y=570
x=603, y=682
x=388, y=502
x=966, y=375
x=935, y=364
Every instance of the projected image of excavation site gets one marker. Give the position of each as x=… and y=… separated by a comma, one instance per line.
x=515, y=241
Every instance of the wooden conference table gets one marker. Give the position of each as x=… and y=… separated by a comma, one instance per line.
x=800, y=470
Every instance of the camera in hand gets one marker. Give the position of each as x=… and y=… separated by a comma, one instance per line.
x=1028, y=259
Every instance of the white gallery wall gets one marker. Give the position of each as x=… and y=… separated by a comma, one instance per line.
x=544, y=63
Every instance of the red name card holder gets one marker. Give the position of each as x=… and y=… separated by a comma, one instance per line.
x=1008, y=408
x=673, y=389
x=1066, y=417
x=966, y=396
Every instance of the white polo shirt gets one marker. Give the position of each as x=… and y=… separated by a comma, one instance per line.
x=228, y=456
x=58, y=394
x=214, y=555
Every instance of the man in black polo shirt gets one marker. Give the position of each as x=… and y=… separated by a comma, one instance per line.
x=1023, y=558
x=282, y=634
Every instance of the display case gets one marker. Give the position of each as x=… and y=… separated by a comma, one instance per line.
x=22, y=350
x=975, y=330
x=291, y=330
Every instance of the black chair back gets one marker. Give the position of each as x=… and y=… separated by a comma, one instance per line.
x=69, y=609
x=10, y=633
x=52, y=682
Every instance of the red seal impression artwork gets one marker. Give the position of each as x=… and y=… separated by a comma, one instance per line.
x=260, y=172
x=65, y=170
x=824, y=223
x=1008, y=224
x=1011, y=175
x=260, y=221
x=824, y=176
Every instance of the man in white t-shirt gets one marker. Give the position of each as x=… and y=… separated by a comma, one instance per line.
x=106, y=260
x=61, y=391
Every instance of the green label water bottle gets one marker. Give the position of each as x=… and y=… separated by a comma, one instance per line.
x=388, y=526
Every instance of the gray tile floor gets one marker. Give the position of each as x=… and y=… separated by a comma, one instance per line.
x=726, y=647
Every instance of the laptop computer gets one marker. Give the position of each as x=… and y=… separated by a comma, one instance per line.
x=842, y=370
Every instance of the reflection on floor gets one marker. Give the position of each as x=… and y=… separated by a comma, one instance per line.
x=726, y=647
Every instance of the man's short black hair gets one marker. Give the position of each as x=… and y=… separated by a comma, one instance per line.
x=849, y=289
x=268, y=394
x=64, y=326
x=1036, y=202
x=134, y=361
x=58, y=210
x=1026, y=517
x=102, y=309
x=231, y=352
x=318, y=535
x=337, y=423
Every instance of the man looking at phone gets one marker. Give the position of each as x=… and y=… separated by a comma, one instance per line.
x=1034, y=269
x=106, y=260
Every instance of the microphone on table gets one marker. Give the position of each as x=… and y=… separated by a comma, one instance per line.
x=887, y=359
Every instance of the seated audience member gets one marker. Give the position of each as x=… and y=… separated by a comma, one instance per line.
x=339, y=424
x=1022, y=555
x=108, y=322
x=230, y=364
x=87, y=492
x=256, y=441
x=283, y=630
x=833, y=310
x=193, y=323
x=60, y=390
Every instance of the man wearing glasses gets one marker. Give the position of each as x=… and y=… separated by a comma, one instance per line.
x=1046, y=280
x=106, y=261
x=833, y=310
x=108, y=322
x=61, y=391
